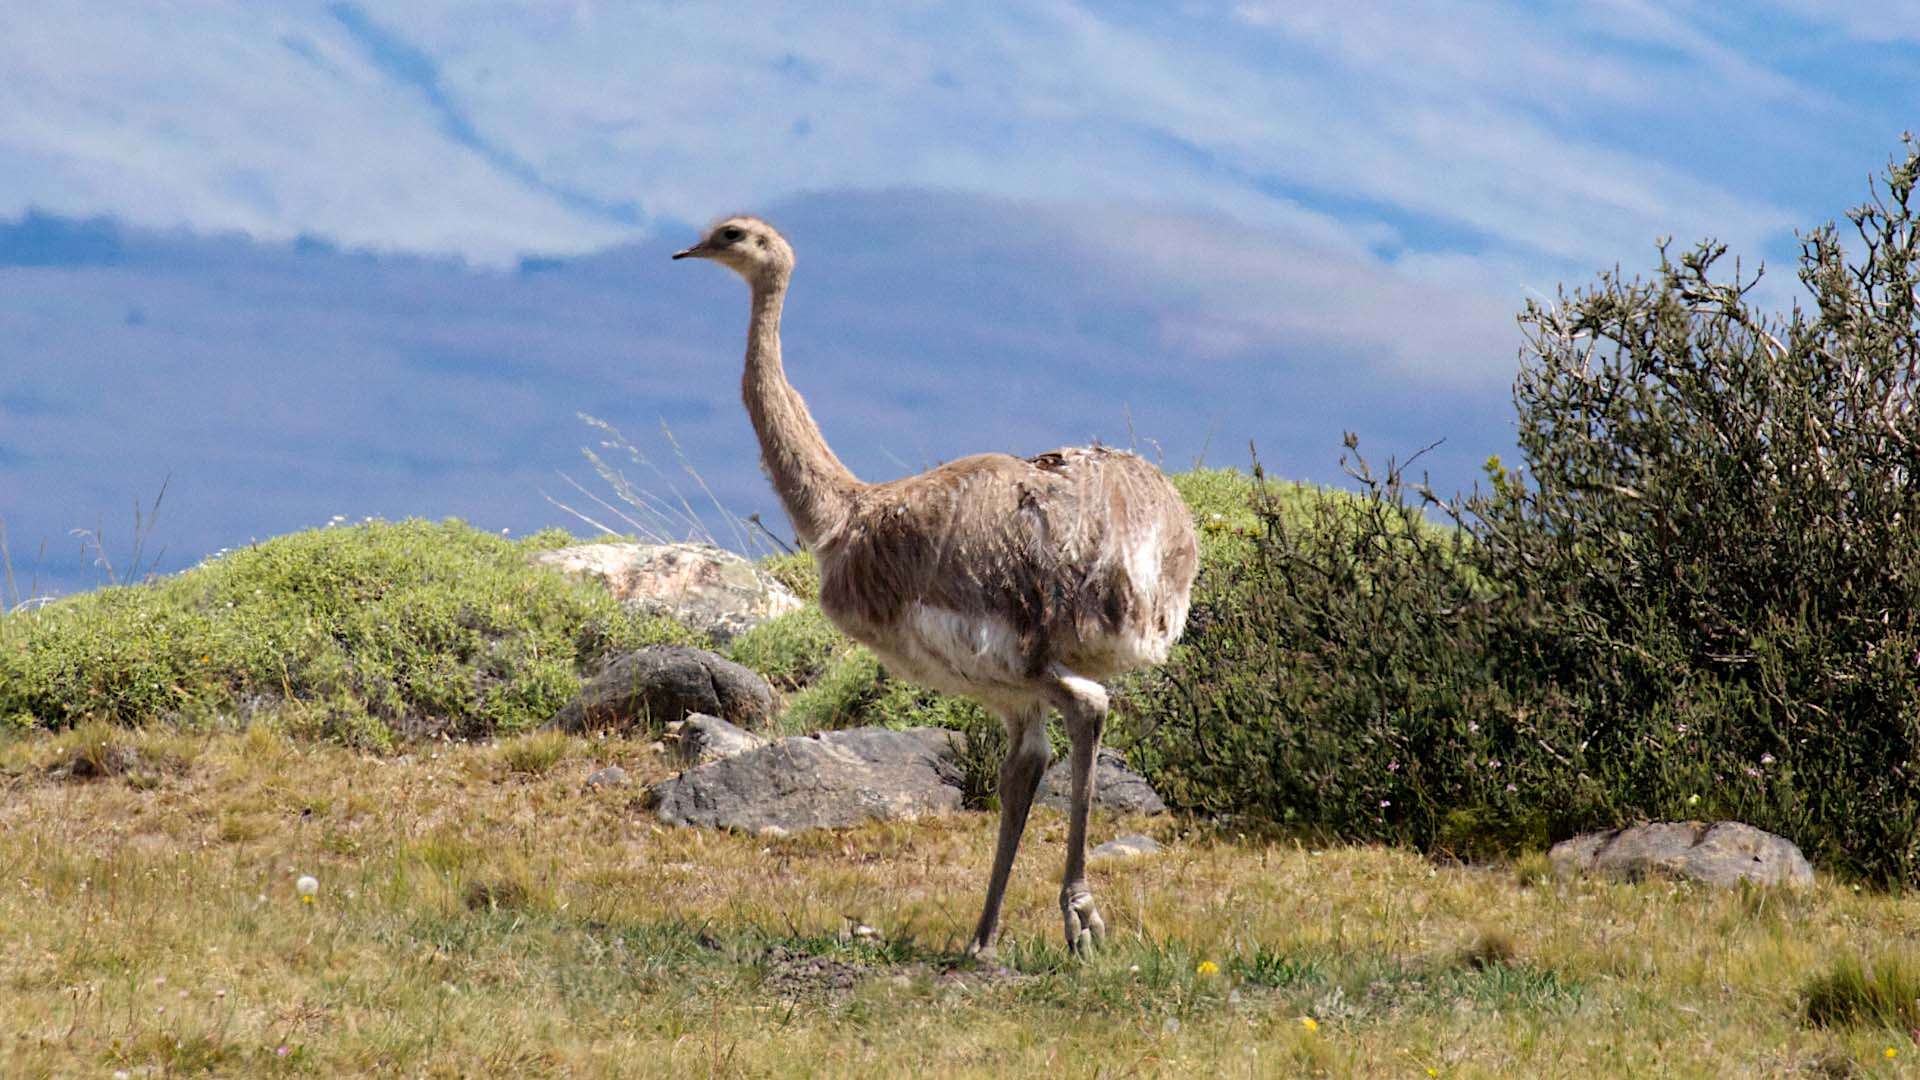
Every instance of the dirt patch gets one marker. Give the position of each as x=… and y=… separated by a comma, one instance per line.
x=801, y=975
x=101, y=761
x=495, y=895
x=967, y=976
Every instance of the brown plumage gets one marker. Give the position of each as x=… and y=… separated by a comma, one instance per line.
x=1019, y=582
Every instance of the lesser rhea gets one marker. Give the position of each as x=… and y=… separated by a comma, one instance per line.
x=1019, y=582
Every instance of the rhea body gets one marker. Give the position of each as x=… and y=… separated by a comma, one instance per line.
x=1019, y=582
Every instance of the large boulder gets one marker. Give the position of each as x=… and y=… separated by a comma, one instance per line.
x=1721, y=853
x=1115, y=787
x=702, y=586
x=828, y=780
x=662, y=684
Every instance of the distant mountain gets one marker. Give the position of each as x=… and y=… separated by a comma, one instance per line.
x=279, y=385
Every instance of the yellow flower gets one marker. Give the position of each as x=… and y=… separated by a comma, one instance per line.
x=1207, y=969
x=1433, y=1072
x=1310, y=1023
x=1890, y=1053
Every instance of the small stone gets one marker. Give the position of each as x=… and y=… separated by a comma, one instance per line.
x=701, y=738
x=829, y=780
x=610, y=776
x=1131, y=846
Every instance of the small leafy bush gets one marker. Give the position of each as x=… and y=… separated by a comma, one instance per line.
x=791, y=651
x=534, y=753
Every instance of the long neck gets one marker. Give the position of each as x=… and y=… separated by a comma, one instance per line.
x=816, y=489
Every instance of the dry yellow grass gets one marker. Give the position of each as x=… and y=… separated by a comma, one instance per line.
x=479, y=917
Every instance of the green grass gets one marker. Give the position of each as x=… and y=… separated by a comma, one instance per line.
x=475, y=919
x=535, y=753
x=1884, y=993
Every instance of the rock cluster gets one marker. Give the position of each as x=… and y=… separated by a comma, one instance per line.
x=833, y=779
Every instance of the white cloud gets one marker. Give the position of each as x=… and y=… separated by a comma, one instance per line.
x=215, y=120
x=1861, y=22
x=1347, y=121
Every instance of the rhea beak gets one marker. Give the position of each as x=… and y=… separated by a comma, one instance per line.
x=694, y=252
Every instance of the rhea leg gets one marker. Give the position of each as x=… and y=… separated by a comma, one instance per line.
x=1026, y=760
x=1083, y=710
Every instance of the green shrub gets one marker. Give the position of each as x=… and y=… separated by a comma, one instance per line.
x=535, y=753
x=855, y=690
x=1696, y=598
x=1718, y=519
x=1334, y=677
x=357, y=634
x=792, y=650
x=796, y=571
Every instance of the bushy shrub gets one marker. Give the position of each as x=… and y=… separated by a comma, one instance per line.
x=1720, y=520
x=355, y=633
x=1335, y=677
x=1696, y=598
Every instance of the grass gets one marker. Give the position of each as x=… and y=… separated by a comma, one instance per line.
x=482, y=917
x=1885, y=992
x=534, y=754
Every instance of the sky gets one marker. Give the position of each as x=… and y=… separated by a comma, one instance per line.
x=311, y=262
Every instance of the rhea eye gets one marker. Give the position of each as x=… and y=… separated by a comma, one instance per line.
x=732, y=233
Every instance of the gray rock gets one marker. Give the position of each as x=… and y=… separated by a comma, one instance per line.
x=701, y=738
x=611, y=776
x=1721, y=853
x=660, y=684
x=825, y=781
x=1115, y=787
x=1131, y=846
x=702, y=586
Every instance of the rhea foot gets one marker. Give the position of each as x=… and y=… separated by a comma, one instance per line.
x=1085, y=927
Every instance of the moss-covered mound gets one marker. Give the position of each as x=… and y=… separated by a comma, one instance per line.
x=363, y=633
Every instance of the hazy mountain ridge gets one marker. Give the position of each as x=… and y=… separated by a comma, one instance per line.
x=279, y=384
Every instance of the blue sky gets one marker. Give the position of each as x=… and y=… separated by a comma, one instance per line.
x=361, y=259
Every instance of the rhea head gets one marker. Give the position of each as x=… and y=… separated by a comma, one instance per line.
x=747, y=246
